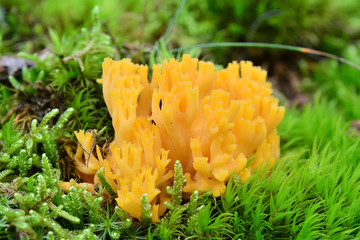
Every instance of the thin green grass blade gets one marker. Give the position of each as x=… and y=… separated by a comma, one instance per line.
x=268, y=45
x=174, y=19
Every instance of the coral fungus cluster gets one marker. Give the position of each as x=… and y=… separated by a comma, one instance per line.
x=215, y=123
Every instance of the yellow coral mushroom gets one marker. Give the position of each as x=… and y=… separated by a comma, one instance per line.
x=213, y=122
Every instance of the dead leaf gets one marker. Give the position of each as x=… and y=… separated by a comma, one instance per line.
x=11, y=65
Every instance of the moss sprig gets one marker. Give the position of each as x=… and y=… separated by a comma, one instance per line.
x=146, y=214
x=176, y=190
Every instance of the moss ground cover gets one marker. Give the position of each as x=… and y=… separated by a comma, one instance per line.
x=312, y=191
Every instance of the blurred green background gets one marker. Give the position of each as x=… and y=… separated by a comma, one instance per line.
x=328, y=25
